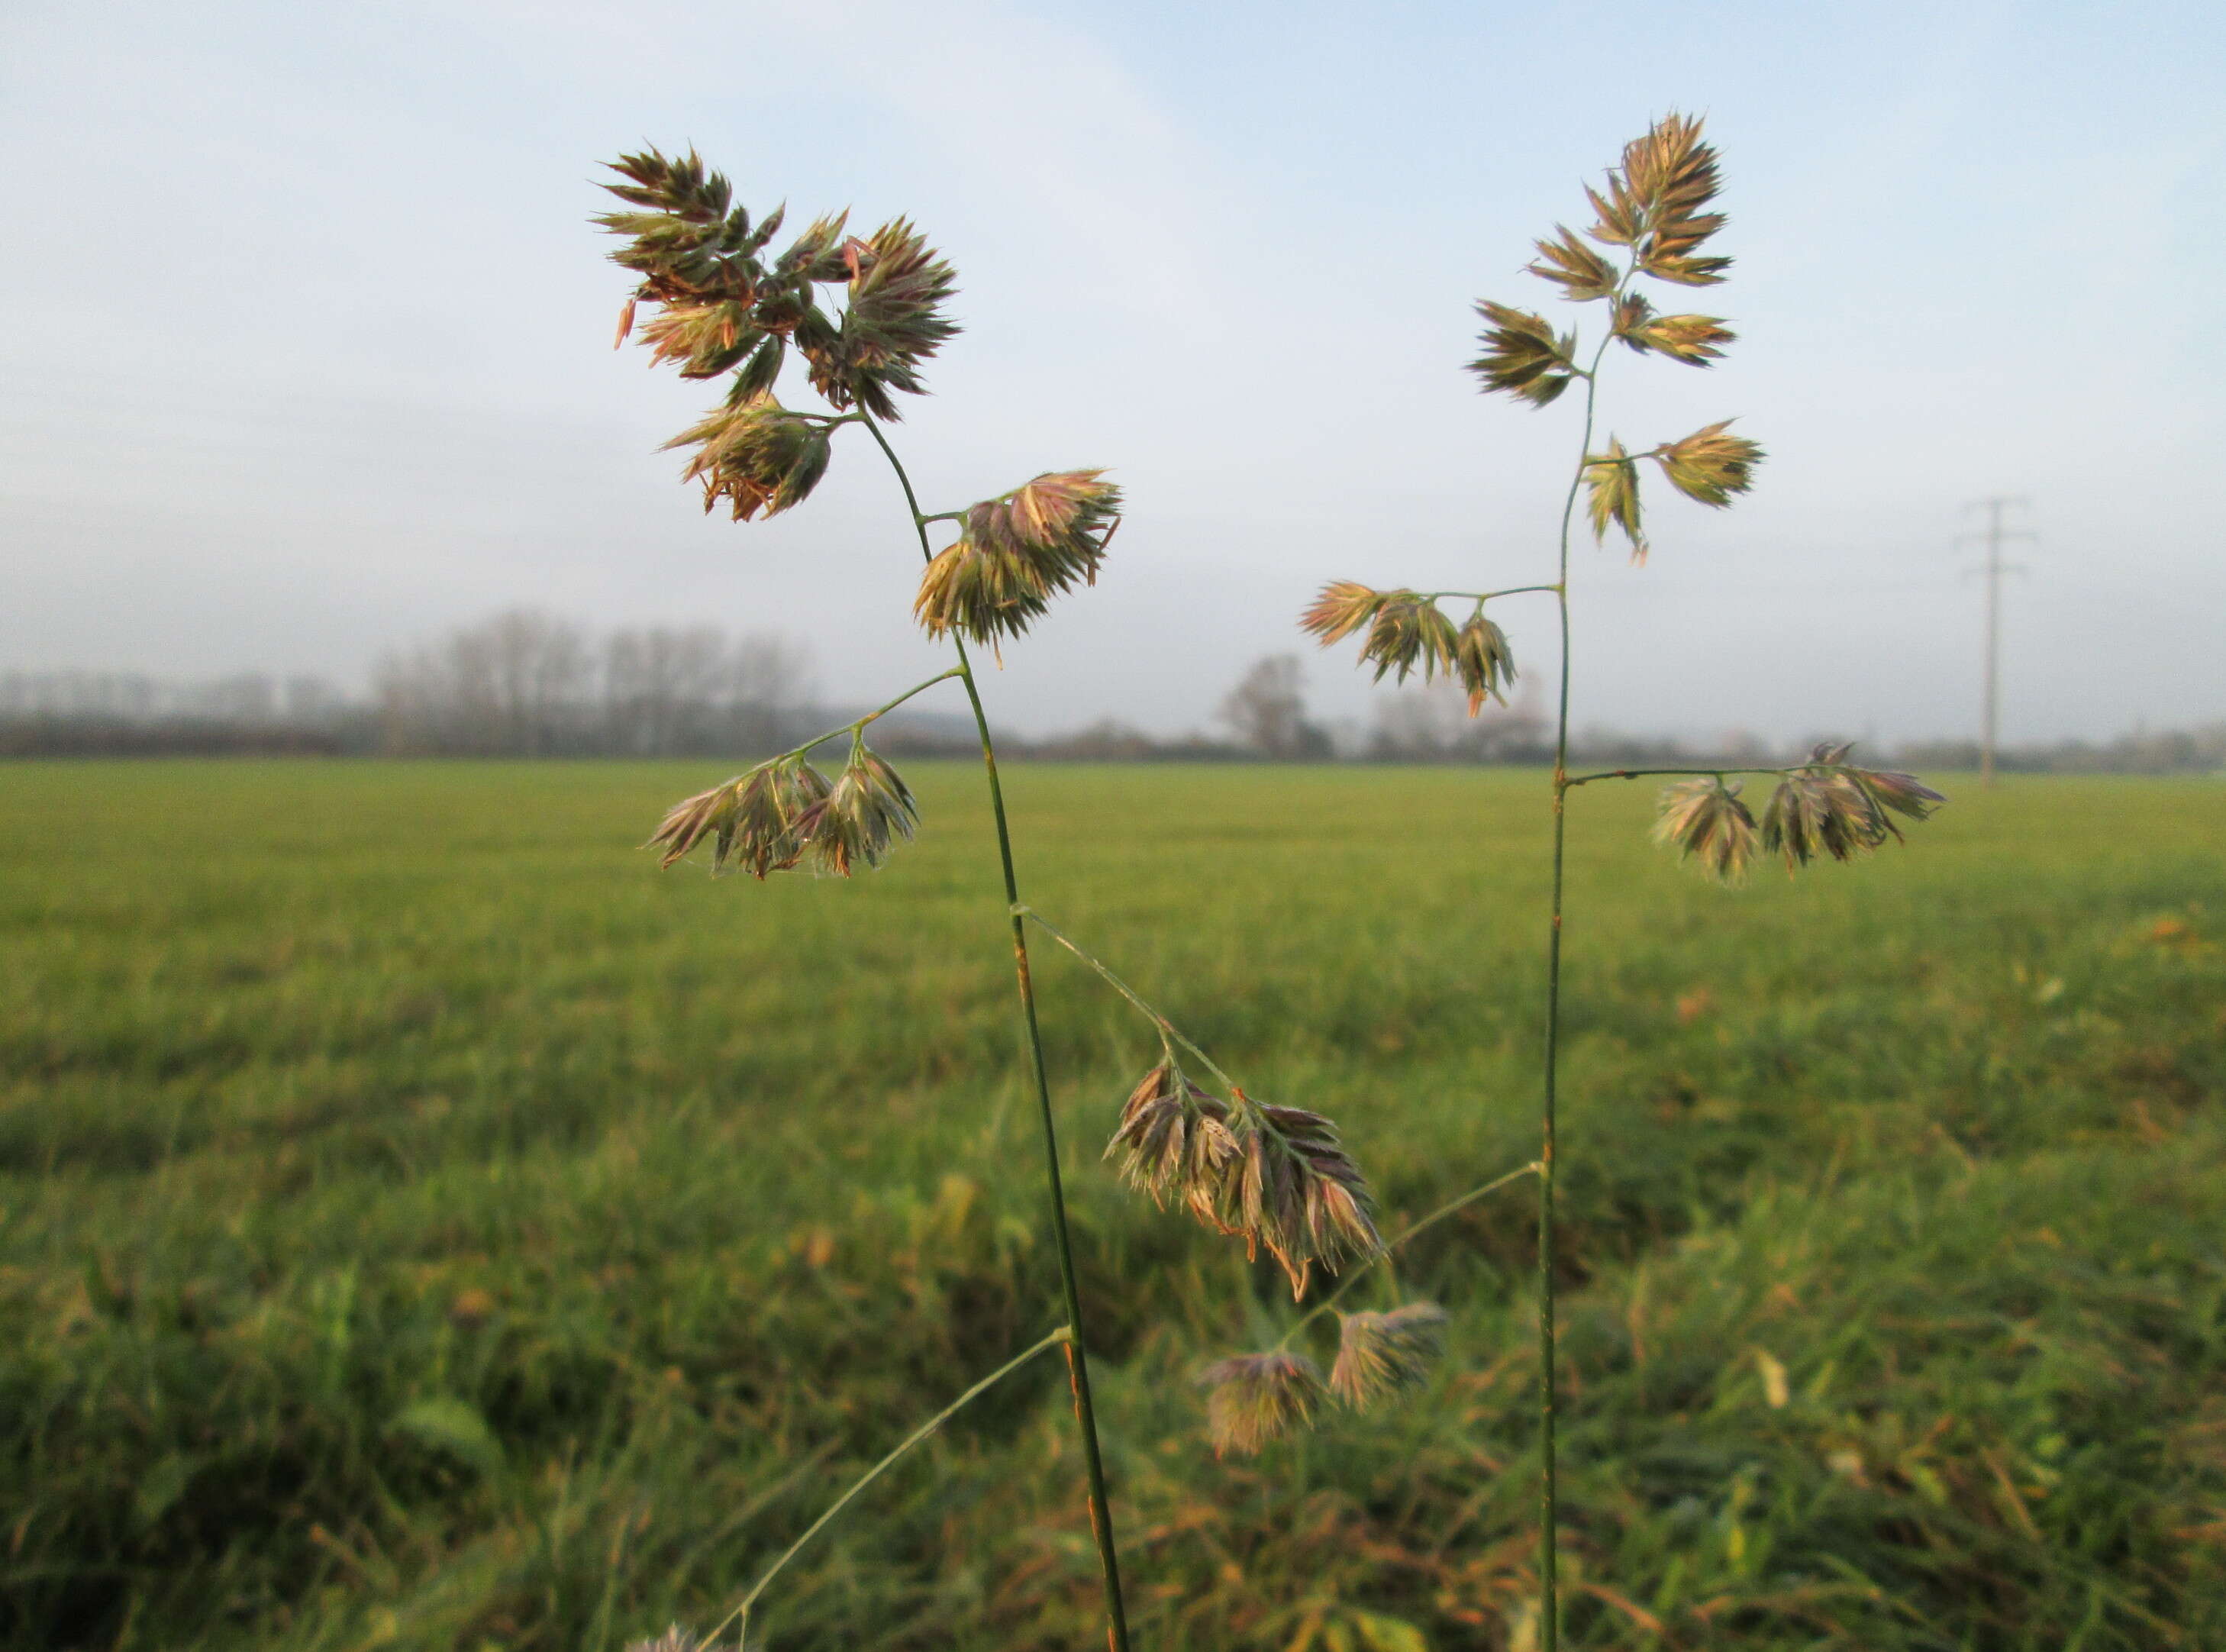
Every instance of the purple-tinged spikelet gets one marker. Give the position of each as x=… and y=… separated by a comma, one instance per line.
x=1252, y=1399
x=1382, y=1354
x=1705, y=819
x=1014, y=554
x=1275, y=1177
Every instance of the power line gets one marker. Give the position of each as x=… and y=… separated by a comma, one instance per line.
x=1990, y=716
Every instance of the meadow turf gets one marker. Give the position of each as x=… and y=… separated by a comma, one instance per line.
x=424, y=1224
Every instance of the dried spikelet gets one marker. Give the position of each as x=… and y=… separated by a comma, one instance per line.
x=1341, y=609
x=1521, y=354
x=675, y=1639
x=1379, y=1354
x=1483, y=661
x=1705, y=819
x=1252, y=1399
x=864, y=813
x=757, y=455
x=1709, y=465
x=1014, y=553
x=1612, y=485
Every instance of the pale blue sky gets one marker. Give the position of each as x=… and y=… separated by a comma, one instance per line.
x=305, y=351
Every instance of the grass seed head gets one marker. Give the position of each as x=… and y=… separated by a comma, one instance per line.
x=1709, y=465
x=1174, y=1138
x=1379, y=1354
x=756, y=455
x=1705, y=819
x=1252, y=1399
x=1341, y=609
x=861, y=816
x=1014, y=553
x=1821, y=808
x=1611, y=490
x=1899, y=793
x=675, y=1639
x=1408, y=633
x=892, y=321
x=1299, y=1193
x=1483, y=661
x=1275, y=1177
x=1521, y=354
x=753, y=818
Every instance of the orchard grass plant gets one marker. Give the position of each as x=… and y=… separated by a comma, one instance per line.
x=1651, y=221
x=862, y=315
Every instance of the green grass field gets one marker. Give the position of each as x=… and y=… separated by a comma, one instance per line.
x=427, y=1225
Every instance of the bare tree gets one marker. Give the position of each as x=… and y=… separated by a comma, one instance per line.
x=1268, y=713
x=771, y=683
x=663, y=688
x=516, y=683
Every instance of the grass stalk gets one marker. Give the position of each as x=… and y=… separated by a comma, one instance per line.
x=1549, y=1491
x=740, y=1615
x=1078, y=1361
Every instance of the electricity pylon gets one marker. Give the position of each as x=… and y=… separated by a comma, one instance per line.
x=1994, y=568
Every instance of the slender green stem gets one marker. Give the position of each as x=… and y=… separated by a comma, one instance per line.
x=1641, y=774
x=858, y=724
x=1550, y=1494
x=1451, y=1208
x=1167, y=1029
x=918, y=1437
x=1485, y=596
x=1078, y=1362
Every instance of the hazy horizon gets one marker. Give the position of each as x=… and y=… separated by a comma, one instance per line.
x=309, y=349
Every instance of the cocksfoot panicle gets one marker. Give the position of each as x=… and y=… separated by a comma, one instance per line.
x=1254, y=1399
x=1380, y=1355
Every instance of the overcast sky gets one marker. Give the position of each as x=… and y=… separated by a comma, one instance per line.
x=304, y=337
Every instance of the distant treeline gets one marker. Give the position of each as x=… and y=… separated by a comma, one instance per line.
x=524, y=684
